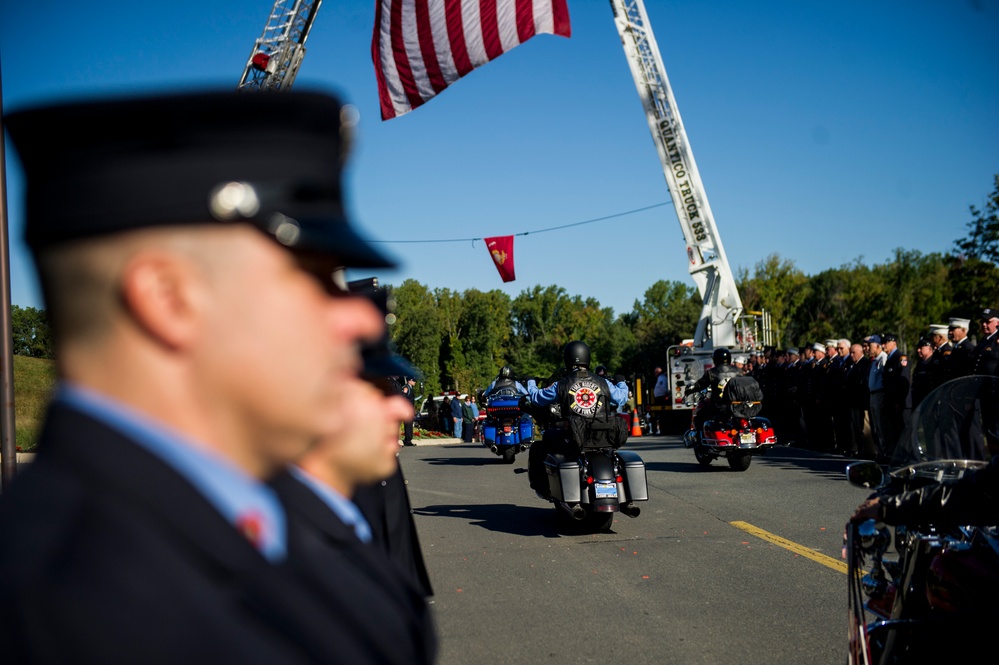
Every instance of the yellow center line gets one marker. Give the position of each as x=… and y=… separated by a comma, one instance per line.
x=827, y=561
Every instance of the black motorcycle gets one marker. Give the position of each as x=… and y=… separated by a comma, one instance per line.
x=592, y=483
x=927, y=588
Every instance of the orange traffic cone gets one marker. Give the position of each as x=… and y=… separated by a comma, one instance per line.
x=636, y=427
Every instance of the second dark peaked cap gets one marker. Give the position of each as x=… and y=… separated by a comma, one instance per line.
x=273, y=160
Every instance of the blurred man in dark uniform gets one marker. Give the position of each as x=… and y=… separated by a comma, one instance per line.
x=960, y=355
x=352, y=532
x=837, y=398
x=384, y=503
x=201, y=346
x=408, y=389
x=791, y=408
x=859, y=395
x=941, y=353
x=984, y=361
x=895, y=380
x=985, y=355
x=818, y=419
x=923, y=380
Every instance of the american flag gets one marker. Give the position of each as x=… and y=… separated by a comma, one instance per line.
x=420, y=47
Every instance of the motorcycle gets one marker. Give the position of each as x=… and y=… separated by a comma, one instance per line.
x=591, y=484
x=506, y=429
x=735, y=432
x=929, y=587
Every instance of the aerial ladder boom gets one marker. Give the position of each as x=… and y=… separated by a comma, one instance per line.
x=277, y=54
x=707, y=263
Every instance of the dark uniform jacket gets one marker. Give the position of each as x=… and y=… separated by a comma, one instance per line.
x=959, y=361
x=107, y=555
x=985, y=356
x=835, y=386
x=896, y=379
x=385, y=612
x=856, y=385
x=387, y=509
x=922, y=381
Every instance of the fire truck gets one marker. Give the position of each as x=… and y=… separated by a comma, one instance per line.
x=274, y=63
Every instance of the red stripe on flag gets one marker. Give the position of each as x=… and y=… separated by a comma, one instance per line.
x=401, y=58
x=425, y=32
x=489, y=22
x=560, y=12
x=399, y=89
x=456, y=35
x=525, y=20
x=384, y=99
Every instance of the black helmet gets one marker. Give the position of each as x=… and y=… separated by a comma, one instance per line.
x=506, y=372
x=600, y=370
x=722, y=356
x=576, y=354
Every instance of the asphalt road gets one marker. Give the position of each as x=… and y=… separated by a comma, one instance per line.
x=720, y=567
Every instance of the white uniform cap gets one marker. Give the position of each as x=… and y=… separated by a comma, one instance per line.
x=819, y=347
x=960, y=323
x=938, y=329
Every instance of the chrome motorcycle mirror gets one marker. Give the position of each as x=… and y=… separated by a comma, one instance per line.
x=868, y=474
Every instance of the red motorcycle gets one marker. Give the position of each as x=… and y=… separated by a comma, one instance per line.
x=734, y=430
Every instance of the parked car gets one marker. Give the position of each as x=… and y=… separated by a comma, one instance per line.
x=423, y=417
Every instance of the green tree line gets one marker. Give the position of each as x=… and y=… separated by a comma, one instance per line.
x=459, y=340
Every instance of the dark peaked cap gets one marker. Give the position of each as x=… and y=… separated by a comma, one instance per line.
x=270, y=159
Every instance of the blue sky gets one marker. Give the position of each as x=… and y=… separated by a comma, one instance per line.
x=824, y=132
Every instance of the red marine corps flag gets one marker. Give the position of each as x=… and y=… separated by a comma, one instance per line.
x=501, y=249
x=420, y=47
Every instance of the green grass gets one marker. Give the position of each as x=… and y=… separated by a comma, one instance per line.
x=34, y=380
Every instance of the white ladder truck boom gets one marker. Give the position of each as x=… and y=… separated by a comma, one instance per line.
x=277, y=54
x=721, y=322
x=707, y=263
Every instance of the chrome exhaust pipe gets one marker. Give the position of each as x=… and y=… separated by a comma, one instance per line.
x=494, y=449
x=575, y=511
x=631, y=510
x=524, y=446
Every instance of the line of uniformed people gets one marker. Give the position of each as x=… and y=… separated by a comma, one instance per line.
x=855, y=398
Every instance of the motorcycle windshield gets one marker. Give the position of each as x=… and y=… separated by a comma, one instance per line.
x=951, y=423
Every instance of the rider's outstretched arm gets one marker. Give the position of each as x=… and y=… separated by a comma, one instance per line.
x=541, y=397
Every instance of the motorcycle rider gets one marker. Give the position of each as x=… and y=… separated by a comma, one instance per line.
x=715, y=378
x=580, y=395
x=505, y=384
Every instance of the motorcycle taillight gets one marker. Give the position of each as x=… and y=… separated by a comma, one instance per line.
x=743, y=423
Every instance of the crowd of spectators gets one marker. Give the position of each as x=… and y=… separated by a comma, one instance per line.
x=855, y=397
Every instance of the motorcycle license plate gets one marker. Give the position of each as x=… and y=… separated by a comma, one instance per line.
x=747, y=437
x=507, y=429
x=605, y=490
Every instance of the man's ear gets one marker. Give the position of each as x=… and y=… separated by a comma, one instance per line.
x=159, y=290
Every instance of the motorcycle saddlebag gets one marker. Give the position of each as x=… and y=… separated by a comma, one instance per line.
x=563, y=478
x=488, y=433
x=743, y=396
x=526, y=430
x=636, y=484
